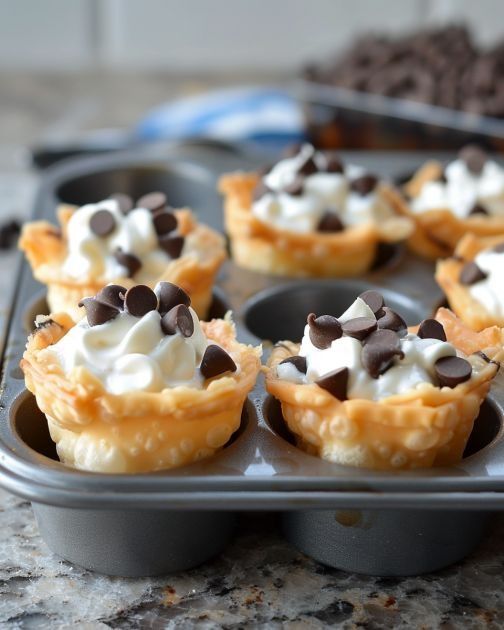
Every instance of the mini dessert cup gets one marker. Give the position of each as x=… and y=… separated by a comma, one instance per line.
x=459, y=274
x=139, y=430
x=471, y=201
x=429, y=425
x=327, y=249
x=193, y=254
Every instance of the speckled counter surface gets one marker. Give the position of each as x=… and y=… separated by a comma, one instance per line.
x=258, y=582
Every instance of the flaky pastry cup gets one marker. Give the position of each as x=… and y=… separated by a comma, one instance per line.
x=137, y=431
x=266, y=248
x=438, y=231
x=426, y=427
x=45, y=248
x=459, y=297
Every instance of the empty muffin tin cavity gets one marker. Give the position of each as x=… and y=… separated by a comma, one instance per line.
x=280, y=313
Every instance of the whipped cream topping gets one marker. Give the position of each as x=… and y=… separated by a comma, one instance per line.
x=414, y=369
x=322, y=192
x=463, y=190
x=490, y=291
x=91, y=255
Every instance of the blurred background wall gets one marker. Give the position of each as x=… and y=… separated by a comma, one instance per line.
x=183, y=36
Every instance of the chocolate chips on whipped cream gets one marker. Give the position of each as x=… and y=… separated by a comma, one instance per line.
x=368, y=353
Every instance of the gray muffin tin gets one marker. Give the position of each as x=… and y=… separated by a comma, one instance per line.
x=381, y=523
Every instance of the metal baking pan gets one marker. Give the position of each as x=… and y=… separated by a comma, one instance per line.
x=399, y=523
x=340, y=117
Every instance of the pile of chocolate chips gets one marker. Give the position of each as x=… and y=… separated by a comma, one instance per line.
x=380, y=338
x=471, y=273
x=326, y=162
x=102, y=223
x=439, y=66
x=172, y=303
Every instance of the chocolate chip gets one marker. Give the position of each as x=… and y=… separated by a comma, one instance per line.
x=216, y=361
x=375, y=302
x=390, y=320
x=154, y=201
x=171, y=295
x=478, y=209
x=330, y=222
x=260, y=190
x=125, y=202
x=359, y=327
x=178, y=319
x=442, y=178
x=298, y=362
x=452, y=370
x=96, y=312
x=164, y=222
x=332, y=164
x=102, y=223
x=308, y=167
x=9, y=232
x=364, y=185
x=379, y=351
x=130, y=261
x=336, y=383
x=295, y=188
x=471, y=273
x=498, y=249
x=112, y=295
x=431, y=329
x=385, y=253
x=172, y=245
x=140, y=300
x=323, y=330
x=474, y=158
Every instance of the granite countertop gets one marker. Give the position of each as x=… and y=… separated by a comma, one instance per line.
x=259, y=581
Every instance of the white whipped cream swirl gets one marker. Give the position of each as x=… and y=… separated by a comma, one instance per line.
x=90, y=255
x=405, y=375
x=322, y=192
x=463, y=190
x=490, y=291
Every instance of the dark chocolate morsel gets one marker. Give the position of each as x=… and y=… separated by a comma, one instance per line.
x=172, y=245
x=498, y=249
x=170, y=295
x=140, y=299
x=379, y=351
x=385, y=253
x=295, y=188
x=392, y=321
x=478, y=209
x=298, y=362
x=364, y=185
x=330, y=222
x=332, y=164
x=179, y=319
x=336, y=383
x=96, y=312
x=260, y=190
x=474, y=157
x=375, y=302
x=323, y=330
x=471, y=273
x=125, y=202
x=112, y=295
x=431, y=329
x=102, y=223
x=359, y=327
x=216, y=361
x=130, y=261
x=452, y=370
x=153, y=201
x=164, y=222
x=308, y=167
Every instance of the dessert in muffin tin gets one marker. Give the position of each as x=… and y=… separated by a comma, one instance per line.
x=363, y=390
x=139, y=383
x=310, y=214
x=117, y=240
